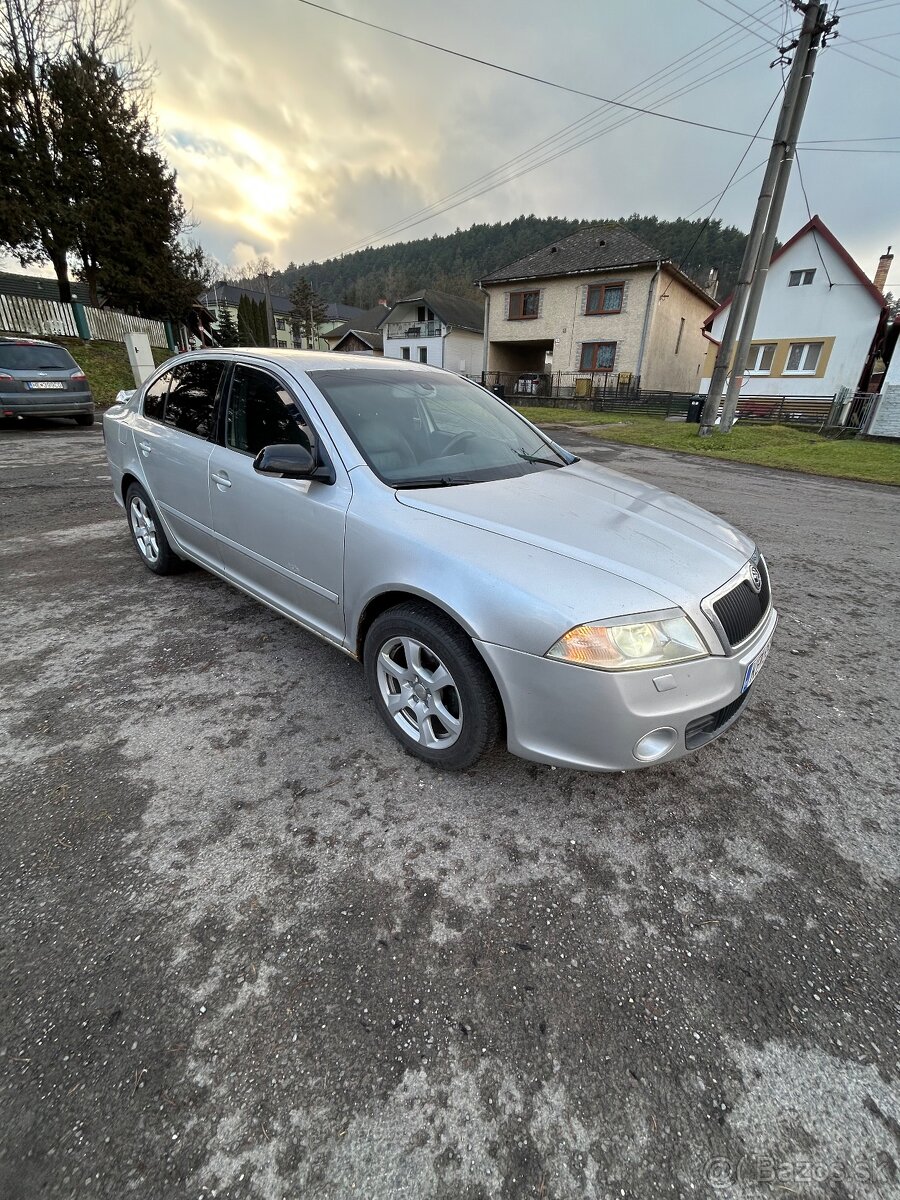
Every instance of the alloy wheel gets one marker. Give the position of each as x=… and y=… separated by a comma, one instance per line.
x=419, y=692
x=144, y=528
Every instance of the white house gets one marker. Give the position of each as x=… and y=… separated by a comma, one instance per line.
x=436, y=328
x=817, y=320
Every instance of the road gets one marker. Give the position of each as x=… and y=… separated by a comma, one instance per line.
x=248, y=949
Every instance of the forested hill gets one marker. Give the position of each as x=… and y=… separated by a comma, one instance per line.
x=452, y=262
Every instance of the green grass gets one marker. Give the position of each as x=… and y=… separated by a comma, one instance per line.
x=781, y=446
x=106, y=366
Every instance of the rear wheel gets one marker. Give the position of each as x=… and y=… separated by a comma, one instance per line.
x=84, y=419
x=147, y=533
x=430, y=686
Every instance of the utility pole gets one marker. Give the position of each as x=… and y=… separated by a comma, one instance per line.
x=270, y=316
x=761, y=239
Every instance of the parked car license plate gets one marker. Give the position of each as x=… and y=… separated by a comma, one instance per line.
x=46, y=384
x=754, y=667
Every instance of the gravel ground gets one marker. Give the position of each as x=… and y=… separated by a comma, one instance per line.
x=249, y=949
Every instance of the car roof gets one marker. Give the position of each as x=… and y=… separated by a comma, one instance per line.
x=14, y=341
x=303, y=360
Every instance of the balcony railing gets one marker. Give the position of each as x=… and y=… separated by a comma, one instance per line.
x=413, y=329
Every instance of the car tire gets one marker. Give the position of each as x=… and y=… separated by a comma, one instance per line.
x=84, y=419
x=147, y=533
x=452, y=713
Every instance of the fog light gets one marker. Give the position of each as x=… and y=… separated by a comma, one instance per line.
x=655, y=744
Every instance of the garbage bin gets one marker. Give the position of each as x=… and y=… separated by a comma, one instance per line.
x=499, y=389
x=695, y=408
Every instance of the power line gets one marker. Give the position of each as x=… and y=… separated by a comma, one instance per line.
x=705, y=224
x=740, y=179
x=401, y=228
x=482, y=62
x=871, y=49
x=872, y=66
x=809, y=215
x=648, y=88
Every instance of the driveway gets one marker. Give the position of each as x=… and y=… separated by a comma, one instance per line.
x=250, y=949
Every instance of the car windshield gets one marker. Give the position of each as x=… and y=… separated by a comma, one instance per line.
x=433, y=428
x=35, y=358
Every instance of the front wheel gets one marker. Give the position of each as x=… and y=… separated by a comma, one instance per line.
x=430, y=686
x=148, y=535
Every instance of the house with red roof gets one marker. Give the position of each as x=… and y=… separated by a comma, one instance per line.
x=817, y=322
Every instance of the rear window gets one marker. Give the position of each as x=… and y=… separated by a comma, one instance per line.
x=36, y=358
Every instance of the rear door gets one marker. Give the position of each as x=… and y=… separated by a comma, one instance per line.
x=172, y=437
x=283, y=539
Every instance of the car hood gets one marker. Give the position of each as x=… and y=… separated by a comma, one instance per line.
x=607, y=520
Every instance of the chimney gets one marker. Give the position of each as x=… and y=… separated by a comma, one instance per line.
x=711, y=287
x=884, y=269
x=384, y=304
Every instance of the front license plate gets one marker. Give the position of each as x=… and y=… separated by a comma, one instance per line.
x=754, y=667
x=46, y=385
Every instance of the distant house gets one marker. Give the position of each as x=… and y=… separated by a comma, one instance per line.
x=362, y=321
x=601, y=305
x=336, y=315
x=38, y=287
x=817, y=321
x=228, y=295
x=436, y=328
x=359, y=341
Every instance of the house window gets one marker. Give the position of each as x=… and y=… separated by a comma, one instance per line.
x=604, y=298
x=598, y=356
x=524, y=306
x=759, y=360
x=803, y=358
x=423, y=354
x=798, y=278
x=404, y=353
x=279, y=323
x=420, y=313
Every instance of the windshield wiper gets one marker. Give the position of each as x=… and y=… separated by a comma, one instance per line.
x=536, y=458
x=434, y=481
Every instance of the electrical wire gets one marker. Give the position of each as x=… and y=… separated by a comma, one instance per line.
x=672, y=70
x=483, y=62
x=618, y=123
x=809, y=215
x=705, y=224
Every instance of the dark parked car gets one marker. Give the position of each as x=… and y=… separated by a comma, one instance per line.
x=42, y=379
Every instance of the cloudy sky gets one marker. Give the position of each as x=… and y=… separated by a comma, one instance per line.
x=298, y=134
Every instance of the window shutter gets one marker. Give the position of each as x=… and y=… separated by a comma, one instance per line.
x=540, y=302
x=578, y=351
x=625, y=286
x=506, y=296
x=584, y=296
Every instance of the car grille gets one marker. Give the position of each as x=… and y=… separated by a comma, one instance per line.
x=704, y=729
x=741, y=610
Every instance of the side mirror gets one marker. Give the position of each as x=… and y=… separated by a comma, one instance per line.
x=290, y=460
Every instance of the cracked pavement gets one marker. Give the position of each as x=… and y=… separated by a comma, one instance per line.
x=249, y=949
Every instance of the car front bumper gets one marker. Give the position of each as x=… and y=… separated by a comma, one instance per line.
x=589, y=720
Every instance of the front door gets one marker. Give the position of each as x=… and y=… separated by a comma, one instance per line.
x=282, y=539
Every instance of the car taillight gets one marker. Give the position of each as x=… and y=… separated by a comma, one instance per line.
x=5, y=377
x=78, y=375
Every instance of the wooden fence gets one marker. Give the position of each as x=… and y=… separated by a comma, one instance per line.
x=42, y=318
x=52, y=318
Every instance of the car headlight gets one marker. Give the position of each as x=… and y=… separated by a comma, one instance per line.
x=628, y=643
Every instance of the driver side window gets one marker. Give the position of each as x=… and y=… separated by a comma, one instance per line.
x=262, y=412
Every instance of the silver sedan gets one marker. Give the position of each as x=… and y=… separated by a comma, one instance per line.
x=493, y=585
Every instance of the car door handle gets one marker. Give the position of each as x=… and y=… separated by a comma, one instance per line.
x=220, y=479
x=144, y=448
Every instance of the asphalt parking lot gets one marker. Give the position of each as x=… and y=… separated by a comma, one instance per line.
x=248, y=949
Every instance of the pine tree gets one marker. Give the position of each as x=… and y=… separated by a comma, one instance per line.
x=253, y=325
x=226, y=328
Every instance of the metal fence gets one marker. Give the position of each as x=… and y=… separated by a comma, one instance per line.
x=52, y=318
x=608, y=391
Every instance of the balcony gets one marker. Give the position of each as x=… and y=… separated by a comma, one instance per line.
x=413, y=329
